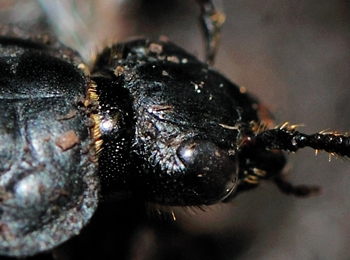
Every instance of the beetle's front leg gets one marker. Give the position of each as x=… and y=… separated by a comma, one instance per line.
x=295, y=190
x=257, y=165
x=211, y=20
x=251, y=178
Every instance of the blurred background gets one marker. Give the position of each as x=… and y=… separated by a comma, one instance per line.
x=292, y=54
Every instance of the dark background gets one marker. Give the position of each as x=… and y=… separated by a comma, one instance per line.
x=292, y=54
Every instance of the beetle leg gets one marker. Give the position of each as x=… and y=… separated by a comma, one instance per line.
x=296, y=190
x=253, y=176
x=250, y=179
x=211, y=20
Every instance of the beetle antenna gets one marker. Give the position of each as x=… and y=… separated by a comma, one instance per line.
x=287, y=138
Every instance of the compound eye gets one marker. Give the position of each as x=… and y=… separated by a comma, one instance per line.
x=213, y=172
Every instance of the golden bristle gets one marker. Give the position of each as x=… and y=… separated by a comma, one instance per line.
x=92, y=95
x=285, y=125
x=229, y=127
x=98, y=145
x=259, y=172
x=251, y=179
x=96, y=133
x=258, y=127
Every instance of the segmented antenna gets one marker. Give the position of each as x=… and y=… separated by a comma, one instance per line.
x=287, y=138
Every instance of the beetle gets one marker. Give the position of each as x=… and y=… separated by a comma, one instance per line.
x=112, y=67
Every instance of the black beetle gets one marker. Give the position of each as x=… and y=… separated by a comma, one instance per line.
x=145, y=109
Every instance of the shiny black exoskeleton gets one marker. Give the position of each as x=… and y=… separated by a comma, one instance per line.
x=176, y=126
x=164, y=127
x=48, y=181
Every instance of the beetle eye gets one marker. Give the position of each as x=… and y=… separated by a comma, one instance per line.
x=214, y=171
